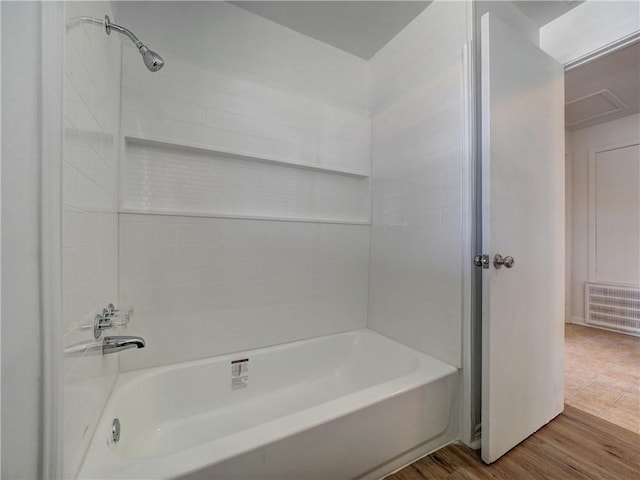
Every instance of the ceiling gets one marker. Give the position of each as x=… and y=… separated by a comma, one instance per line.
x=604, y=89
x=360, y=28
x=364, y=27
x=542, y=12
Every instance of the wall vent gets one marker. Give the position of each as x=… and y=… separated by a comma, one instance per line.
x=613, y=306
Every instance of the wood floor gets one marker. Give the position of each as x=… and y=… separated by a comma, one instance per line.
x=575, y=445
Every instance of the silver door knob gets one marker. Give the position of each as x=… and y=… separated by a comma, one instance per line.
x=499, y=261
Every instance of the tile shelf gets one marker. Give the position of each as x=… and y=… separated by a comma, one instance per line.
x=164, y=143
x=338, y=221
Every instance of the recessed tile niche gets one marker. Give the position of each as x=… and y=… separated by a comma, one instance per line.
x=169, y=178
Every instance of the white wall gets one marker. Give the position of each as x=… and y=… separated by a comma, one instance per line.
x=21, y=339
x=260, y=124
x=588, y=27
x=416, y=244
x=89, y=219
x=579, y=143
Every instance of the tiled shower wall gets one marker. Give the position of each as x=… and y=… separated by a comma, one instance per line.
x=417, y=137
x=229, y=135
x=208, y=286
x=89, y=218
x=410, y=125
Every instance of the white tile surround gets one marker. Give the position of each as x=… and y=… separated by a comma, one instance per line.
x=416, y=239
x=89, y=218
x=207, y=286
x=204, y=286
x=414, y=134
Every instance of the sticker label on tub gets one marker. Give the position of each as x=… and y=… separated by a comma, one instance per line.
x=239, y=373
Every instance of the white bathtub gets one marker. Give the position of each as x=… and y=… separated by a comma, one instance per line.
x=344, y=406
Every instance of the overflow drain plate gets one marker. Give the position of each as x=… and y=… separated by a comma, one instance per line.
x=115, y=430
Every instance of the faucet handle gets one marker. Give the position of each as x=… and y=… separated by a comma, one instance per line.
x=102, y=321
x=110, y=317
x=119, y=316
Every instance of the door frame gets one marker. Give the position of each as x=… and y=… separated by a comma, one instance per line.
x=603, y=51
x=52, y=77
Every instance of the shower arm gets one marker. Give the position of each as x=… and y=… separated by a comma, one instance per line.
x=152, y=60
x=108, y=26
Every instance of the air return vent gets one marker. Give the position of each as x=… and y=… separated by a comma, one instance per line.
x=592, y=106
x=613, y=306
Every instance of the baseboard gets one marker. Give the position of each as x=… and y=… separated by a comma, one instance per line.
x=577, y=320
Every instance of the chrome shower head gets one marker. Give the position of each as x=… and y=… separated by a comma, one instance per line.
x=151, y=59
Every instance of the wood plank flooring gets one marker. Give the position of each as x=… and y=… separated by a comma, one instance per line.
x=575, y=445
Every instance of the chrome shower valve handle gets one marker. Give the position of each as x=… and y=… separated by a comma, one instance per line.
x=102, y=321
x=119, y=316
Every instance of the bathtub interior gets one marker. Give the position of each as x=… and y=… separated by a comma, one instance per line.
x=171, y=409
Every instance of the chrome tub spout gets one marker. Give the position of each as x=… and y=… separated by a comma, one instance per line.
x=117, y=343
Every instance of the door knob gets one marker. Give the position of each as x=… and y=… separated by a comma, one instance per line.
x=499, y=261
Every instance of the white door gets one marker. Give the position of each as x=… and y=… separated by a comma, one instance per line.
x=522, y=217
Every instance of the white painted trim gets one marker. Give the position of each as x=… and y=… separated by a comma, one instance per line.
x=468, y=193
x=0, y=238
x=603, y=51
x=591, y=212
x=589, y=31
x=568, y=261
x=52, y=77
x=591, y=202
